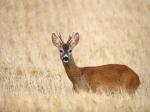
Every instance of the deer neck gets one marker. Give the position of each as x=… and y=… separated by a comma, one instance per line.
x=72, y=70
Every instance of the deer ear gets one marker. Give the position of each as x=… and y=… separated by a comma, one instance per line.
x=56, y=40
x=73, y=40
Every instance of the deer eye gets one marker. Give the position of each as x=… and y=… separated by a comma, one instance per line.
x=61, y=50
x=70, y=51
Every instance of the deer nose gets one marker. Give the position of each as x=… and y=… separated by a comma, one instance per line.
x=65, y=58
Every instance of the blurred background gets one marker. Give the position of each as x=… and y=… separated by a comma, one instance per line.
x=111, y=31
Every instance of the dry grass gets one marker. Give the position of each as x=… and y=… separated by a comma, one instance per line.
x=32, y=77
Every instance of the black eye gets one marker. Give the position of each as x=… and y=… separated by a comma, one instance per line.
x=61, y=51
x=70, y=51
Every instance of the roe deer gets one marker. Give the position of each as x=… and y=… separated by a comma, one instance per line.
x=111, y=77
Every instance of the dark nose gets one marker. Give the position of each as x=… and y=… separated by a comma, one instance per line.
x=65, y=58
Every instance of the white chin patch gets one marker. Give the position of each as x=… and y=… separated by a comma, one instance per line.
x=66, y=61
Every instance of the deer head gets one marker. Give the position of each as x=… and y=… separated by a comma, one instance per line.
x=65, y=49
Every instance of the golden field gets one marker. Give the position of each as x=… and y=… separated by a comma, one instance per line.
x=32, y=77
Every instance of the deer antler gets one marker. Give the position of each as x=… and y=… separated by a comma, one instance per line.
x=70, y=37
x=59, y=35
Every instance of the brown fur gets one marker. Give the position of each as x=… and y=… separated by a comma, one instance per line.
x=111, y=77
